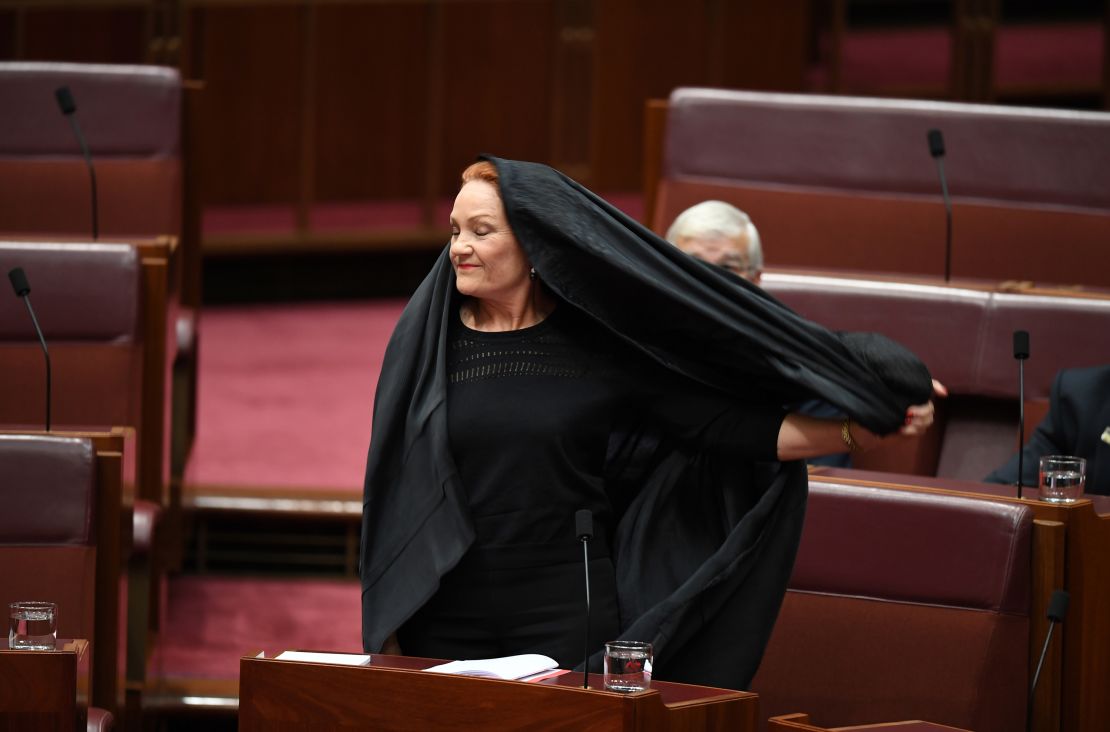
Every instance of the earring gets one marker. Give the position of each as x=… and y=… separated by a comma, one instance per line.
x=532, y=274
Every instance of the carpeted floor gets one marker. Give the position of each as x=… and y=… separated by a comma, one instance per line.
x=212, y=621
x=285, y=394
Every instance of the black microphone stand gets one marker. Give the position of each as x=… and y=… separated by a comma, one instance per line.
x=936, y=149
x=584, y=530
x=586, y=645
x=69, y=109
x=1057, y=609
x=1021, y=424
x=23, y=291
x=1021, y=352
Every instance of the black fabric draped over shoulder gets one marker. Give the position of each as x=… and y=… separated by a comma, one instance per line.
x=706, y=542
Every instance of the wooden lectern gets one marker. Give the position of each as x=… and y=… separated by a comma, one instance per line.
x=393, y=693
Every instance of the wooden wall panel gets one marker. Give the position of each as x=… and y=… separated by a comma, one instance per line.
x=250, y=58
x=8, y=35
x=105, y=34
x=346, y=100
x=645, y=49
x=572, y=92
x=766, y=45
x=372, y=70
x=496, y=82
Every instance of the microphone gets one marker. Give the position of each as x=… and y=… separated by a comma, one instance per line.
x=69, y=109
x=1057, y=609
x=936, y=149
x=584, y=530
x=1021, y=352
x=23, y=290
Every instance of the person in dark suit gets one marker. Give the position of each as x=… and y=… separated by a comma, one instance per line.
x=1077, y=423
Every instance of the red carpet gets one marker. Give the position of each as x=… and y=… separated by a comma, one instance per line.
x=285, y=394
x=212, y=621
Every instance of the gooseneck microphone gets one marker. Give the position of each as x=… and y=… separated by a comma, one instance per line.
x=936, y=149
x=1057, y=609
x=1021, y=352
x=69, y=109
x=584, y=530
x=23, y=290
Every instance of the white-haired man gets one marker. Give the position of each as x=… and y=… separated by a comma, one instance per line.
x=721, y=234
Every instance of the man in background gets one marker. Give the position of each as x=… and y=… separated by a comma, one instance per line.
x=1077, y=424
x=719, y=233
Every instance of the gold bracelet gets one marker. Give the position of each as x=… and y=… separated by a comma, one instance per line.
x=846, y=434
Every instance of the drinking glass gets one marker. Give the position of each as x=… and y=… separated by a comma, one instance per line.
x=627, y=665
x=1062, y=478
x=32, y=625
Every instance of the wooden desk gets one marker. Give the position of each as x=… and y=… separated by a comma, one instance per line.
x=39, y=690
x=393, y=693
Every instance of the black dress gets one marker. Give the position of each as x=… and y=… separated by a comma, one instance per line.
x=531, y=414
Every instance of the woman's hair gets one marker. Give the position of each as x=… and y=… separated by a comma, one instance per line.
x=481, y=170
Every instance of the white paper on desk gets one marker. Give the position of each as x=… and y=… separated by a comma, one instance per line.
x=506, y=667
x=343, y=659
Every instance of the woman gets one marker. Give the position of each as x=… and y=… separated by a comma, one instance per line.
x=587, y=364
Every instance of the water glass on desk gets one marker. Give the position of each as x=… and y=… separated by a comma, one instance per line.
x=1061, y=478
x=627, y=666
x=32, y=625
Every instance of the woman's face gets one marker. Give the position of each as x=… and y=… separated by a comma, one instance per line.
x=488, y=261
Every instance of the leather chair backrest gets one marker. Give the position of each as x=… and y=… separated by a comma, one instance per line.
x=86, y=298
x=844, y=182
x=131, y=120
x=904, y=606
x=965, y=336
x=47, y=536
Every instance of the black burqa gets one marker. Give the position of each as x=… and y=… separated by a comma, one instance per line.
x=705, y=543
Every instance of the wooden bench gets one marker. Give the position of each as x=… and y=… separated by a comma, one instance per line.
x=848, y=183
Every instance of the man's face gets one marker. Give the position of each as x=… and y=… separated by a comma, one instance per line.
x=729, y=253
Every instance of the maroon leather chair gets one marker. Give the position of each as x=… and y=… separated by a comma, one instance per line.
x=848, y=183
x=64, y=527
x=904, y=606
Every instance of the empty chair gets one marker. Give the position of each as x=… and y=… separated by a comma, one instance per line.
x=63, y=530
x=901, y=606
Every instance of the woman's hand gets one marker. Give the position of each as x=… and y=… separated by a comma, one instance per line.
x=920, y=416
x=802, y=437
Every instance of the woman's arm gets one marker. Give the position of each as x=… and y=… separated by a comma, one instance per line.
x=802, y=437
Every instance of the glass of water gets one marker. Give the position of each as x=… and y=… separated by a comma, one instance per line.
x=627, y=665
x=32, y=626
x=1062, y=478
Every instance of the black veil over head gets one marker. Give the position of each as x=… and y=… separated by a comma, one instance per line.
x=696, y=318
